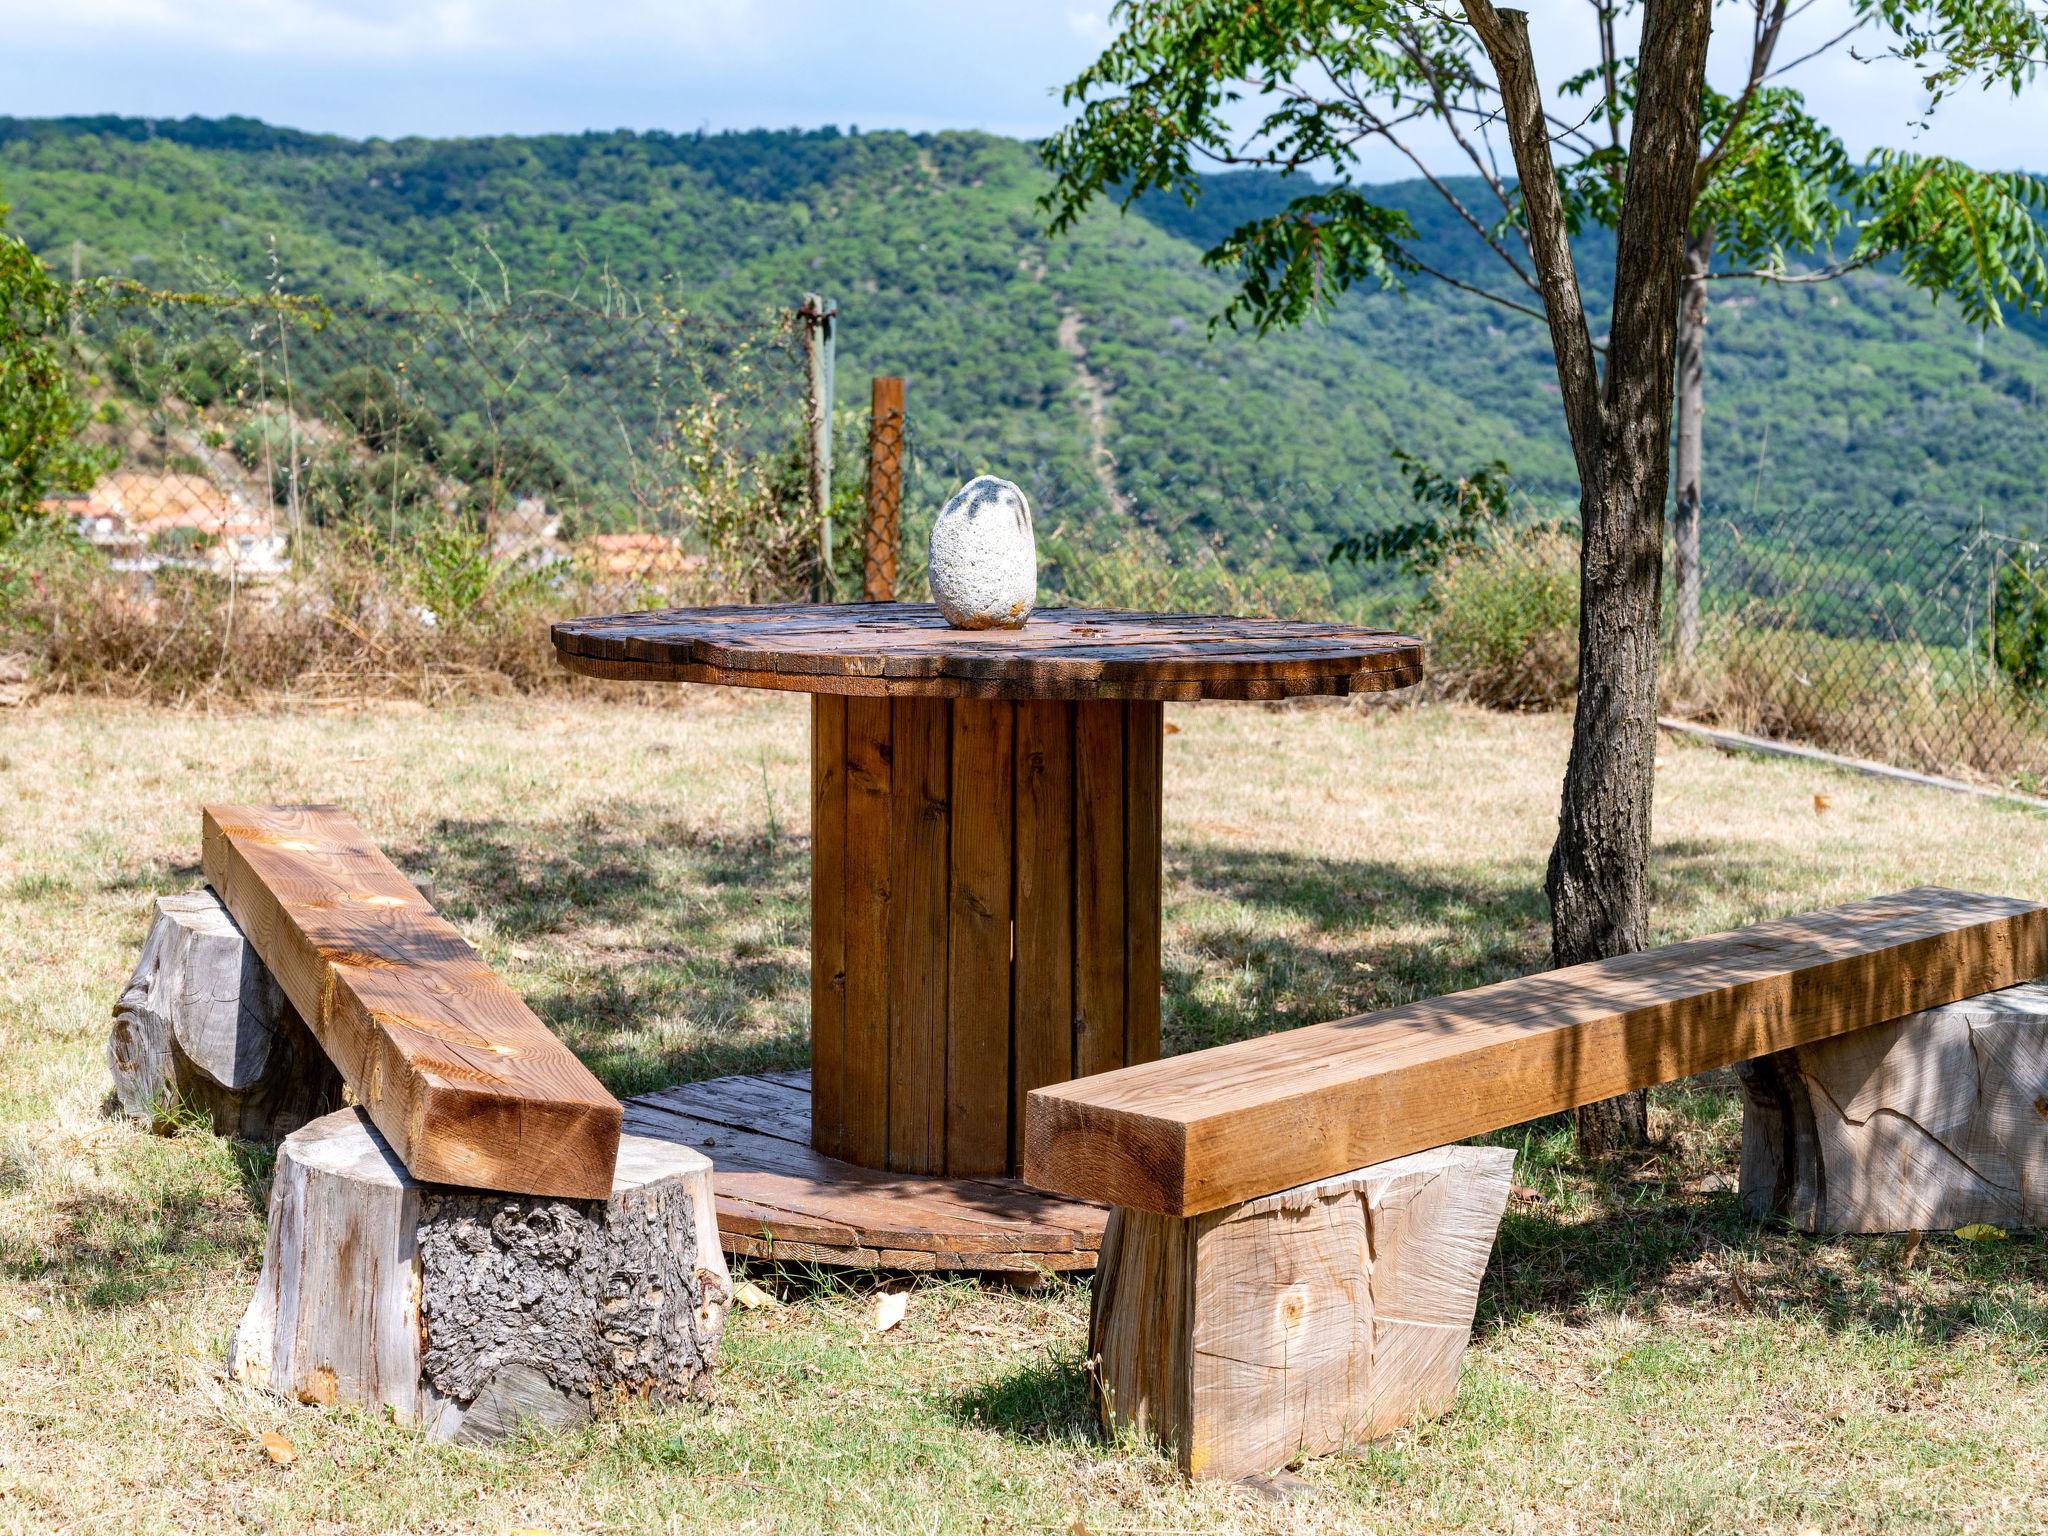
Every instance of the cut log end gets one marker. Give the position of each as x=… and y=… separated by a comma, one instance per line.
x=467, y=1312
x=1298, y=1323
x=202, y=1028
x=1929, y=1122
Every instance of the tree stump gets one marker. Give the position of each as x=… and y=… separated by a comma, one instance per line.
x=1301, y=1322
x=203, y=1025
x=465, y=1312
x=1926, y=1123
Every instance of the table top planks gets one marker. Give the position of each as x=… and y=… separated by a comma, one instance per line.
x=1060, y=653
x=1211, y=1128
x=462, y=1079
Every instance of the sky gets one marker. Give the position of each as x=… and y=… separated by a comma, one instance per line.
x=390, y=68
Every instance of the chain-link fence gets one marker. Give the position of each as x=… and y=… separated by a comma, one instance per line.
x=234, y=432
x=355, y=496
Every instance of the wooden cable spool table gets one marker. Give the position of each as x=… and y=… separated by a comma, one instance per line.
x=985, y=911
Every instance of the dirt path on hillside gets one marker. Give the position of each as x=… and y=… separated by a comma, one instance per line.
x=1096, y=395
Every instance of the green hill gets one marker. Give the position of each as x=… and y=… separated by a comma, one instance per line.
x=1023, y=351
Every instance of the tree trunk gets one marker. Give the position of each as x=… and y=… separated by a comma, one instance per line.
x=1685, y=524
x=465, y=1311
x=1598, y=879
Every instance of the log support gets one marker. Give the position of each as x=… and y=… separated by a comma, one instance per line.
x=1298, y=1323
x=1929, y=1122
x=465, y=1312
x=202, y=1026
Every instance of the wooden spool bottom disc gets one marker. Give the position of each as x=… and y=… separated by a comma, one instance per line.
x=778, y=1199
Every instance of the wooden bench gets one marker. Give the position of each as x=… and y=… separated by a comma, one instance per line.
x=1294, y=1261
x=473, y=1241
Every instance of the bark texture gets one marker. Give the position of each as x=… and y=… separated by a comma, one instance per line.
x=1621, y=434
x=467, y=1312
x=204, y=1027
x=1930, y=1122
x=1301, y=1322
x=1686, y=574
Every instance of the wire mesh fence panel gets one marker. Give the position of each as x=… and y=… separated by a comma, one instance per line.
x=373, y=483
x=234, y=430
x=1908, y=637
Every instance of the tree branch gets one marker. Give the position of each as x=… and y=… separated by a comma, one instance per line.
x=1505, y=36
x=1770, y=21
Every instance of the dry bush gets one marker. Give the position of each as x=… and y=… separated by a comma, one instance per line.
x=1501, y=615
x=1882, y=700
x=434, y=618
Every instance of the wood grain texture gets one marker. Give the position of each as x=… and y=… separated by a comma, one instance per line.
x=979, y=950
x=908, y=648
x=460, y=1077
x=1042, y=1002
x=981, y=889
x=1924, y=1124
x=1299, y=1323
x=778, y=1198
x=1100, y=847
x=865, y=865
x=1214, y=1127
x=1144, y=745
x=828, y=918
x=920, y=857
x=464, y=1312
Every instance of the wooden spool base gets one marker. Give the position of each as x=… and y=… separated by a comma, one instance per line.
x=778, y=1199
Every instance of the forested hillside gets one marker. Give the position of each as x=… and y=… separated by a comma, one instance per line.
x=1026, y=351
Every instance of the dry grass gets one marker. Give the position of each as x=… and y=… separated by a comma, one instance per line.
x=1645, y=1360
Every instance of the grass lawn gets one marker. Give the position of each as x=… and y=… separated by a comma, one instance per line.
x=1645, y=1359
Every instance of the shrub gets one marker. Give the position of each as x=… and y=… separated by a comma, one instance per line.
x=370, y=400
x=1501, y=615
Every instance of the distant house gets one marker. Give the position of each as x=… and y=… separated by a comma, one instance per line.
x=637, y=556
x=145, y=519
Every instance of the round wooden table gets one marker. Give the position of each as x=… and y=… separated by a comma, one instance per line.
x=985, y=837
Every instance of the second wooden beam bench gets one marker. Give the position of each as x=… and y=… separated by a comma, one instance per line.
x=1294, y=1259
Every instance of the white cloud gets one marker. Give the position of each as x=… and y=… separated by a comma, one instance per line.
x=393, y=30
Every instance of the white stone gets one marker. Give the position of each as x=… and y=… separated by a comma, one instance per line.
x=983, y=563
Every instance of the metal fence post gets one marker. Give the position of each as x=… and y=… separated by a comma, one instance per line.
x=885, y=490
x=820, y=318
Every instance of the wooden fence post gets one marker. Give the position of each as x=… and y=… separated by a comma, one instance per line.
x=885, y=490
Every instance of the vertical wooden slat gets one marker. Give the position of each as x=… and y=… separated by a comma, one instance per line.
x=828, y=916
x=1043, y=976
x=1098, y=886
x=864, y=1066
x=1144, y=737
x=978, y=972
x=920, y=784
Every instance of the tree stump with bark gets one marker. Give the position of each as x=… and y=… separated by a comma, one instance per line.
x=202, y=1025
x=1301, y=1322
x=1927, y=1123
x=465, y=1312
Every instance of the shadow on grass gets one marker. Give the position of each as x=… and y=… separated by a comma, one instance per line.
x=640, y=916
x=108, y=1250
x=1264, y=939
x=1650, y=1242
x=1046, y=1400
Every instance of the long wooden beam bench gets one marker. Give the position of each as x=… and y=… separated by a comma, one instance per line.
x=472, y=1242
x=1294, y=1258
